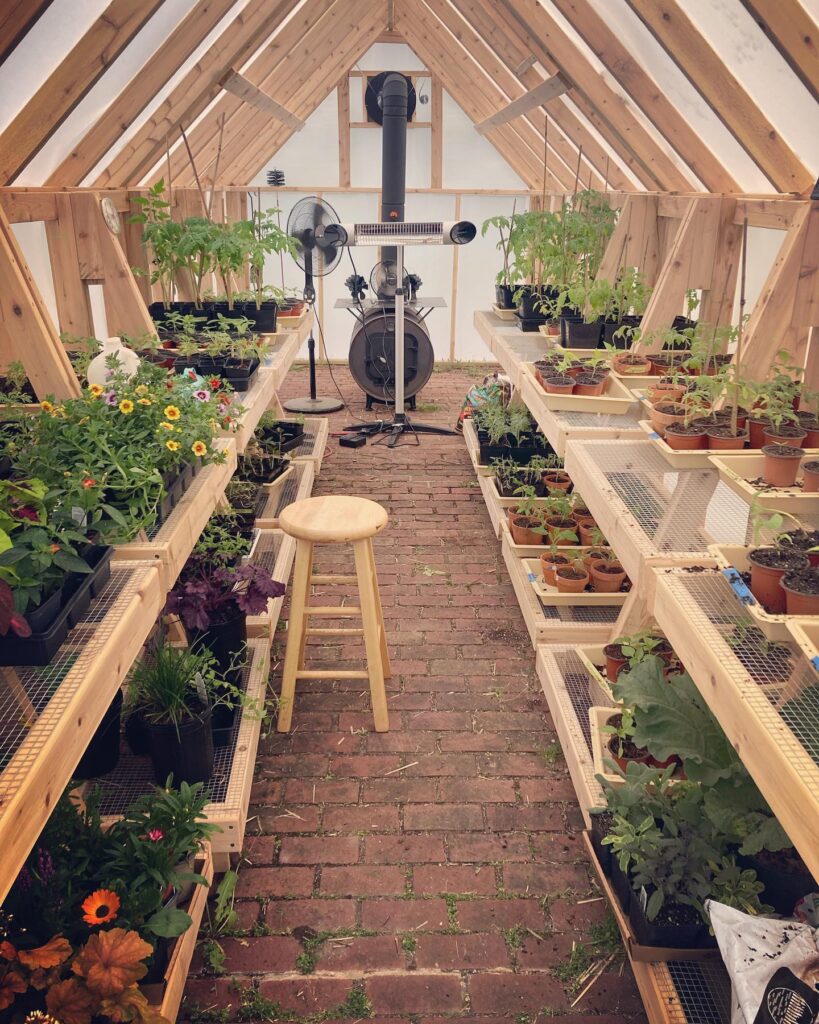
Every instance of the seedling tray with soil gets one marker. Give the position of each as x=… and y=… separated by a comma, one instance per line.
x=616, y=397
x=604, y=744
x=698, y=459
x=549, y=595
x=743, y=473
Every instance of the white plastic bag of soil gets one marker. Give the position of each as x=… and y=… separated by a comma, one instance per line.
x=773, y=966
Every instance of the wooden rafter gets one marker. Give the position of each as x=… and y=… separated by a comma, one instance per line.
x=794, y=33
x=157, y=71
x=237, y=84
x=69, y=82
x=709, y=74
x=16, y=19
x=548, y=40
x=627, y=70
x=537, y=97
x=194, y=92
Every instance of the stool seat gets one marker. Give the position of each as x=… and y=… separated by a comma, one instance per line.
x=333, y=518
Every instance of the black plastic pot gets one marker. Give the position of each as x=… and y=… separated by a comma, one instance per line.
x=263, y=320
x=185, y=752
x=158, y=963
x=529, y=305
x=597, y=833
x=672, y=936
x=42, y=617
x=286, y=434
x=783, y=888
x=210, y=366
x=504, y=296
x=5, y=467
x=611, y=328
x=239, y=372
x=227, y=642
x=183, y=363
x=136, y=734
x=263, y=470
x=575, y=333
x=102, y=753
x=222, y=720
x=621, y=885
x=80, y=588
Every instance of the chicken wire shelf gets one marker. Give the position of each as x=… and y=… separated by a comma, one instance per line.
x=692, y=992
x=255, y=402
x=313, y=447
x=49, y=714
x=509, y=344
x=274, y=551
x=228, y=790
x=295, y=484
x=570, y=690
x=765, y=696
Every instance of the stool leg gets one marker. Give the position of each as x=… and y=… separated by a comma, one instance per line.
x=295, y=632
x=364, y=568
x=386, y=667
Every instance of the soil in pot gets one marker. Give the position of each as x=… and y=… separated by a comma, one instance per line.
x=676, y=926
x=722, y=439
x=522, y=530
x=594, y=555
x=625, y=750
x=557, y=481
x=102, y=753
x=683, y=436
x=570, y=579
x=616, y=661
x=810, y=476
x=185, y=752
x=555, y=523
x=810, y=422
x=607, y=577
x=804, y=540
x=786, y=433
x=589, y=384
x=801, y=588
x=768, y=565
x=781, y=464
x=664, y=414
x=549, y=563
x=785, y=876
x=559, y=385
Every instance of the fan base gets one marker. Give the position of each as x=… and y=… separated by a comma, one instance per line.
x=313, y=405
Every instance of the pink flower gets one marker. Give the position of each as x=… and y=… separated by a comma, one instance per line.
x=155, y=834
x=110, y=397
x=222, y=409
x=202, y=395
x=26, y=512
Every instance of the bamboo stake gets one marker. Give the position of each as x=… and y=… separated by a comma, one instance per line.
x=216, y=167
x=606, y=176
x=545, y=157
x=577, y=172
x=738, y=358
x=195, y=173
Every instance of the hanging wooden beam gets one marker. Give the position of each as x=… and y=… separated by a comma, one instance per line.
x=200, y=85
x=717, y=306
x=547, y=39
x=70, y=291
x=602, y=39
x=157, y=71
x=16, y=19
x=794, y=33
x=343, y=90
x=547, y=90
x=239, y=86
x=69, y=82
x=436, y=174
x=713, y=79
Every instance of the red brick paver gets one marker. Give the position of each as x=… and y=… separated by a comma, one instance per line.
x=433, y=871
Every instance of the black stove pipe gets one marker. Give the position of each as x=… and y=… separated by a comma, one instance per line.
x=394, y=103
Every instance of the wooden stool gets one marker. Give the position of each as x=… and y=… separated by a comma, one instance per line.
x=335, y=519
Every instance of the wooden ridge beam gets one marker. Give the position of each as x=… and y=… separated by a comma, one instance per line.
x=186, y=101
x=549, y=89
x=795, y=35
x=480, y=15
x=70, y=81
x=622, y=65
x=155, y=73
x=16, y=19
x=729, y=100
x=239, y=86
x=506, y=63
x=547, y=40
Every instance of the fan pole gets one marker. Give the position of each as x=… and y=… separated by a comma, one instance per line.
x=312, y=404
x=400, y=353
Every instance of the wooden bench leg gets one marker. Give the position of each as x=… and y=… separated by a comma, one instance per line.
x=296, y=632
x=365, y=571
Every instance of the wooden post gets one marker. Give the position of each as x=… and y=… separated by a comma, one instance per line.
x=26, y=330
x=717, y=307
x=436, y=177
x=344, y=132
x=125, y=308
x=73, y=306
x=134, y=249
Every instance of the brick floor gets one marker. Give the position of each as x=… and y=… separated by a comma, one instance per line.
x=443, y=857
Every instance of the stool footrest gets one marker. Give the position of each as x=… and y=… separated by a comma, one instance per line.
x=334, y=632
x=333, y=579
x=331, y=673
x=349, y=609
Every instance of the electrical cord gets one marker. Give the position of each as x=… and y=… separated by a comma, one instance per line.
x=384, y=379
x=341, y=395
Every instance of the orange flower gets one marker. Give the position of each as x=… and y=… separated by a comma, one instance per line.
x=101, y=906
x=47, y=406
x=171, y=412
x=89, y=482
x=54, y=548
x=199, y=448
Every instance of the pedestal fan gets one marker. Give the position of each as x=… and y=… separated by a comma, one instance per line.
x=306, y=224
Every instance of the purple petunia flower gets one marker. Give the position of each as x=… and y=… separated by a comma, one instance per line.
x=110, y=397
x=221, y=409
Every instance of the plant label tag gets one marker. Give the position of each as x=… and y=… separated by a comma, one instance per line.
x=199, y=684
x=532, y=577
x=643, y=897
x=738, y=586
x=79, y=515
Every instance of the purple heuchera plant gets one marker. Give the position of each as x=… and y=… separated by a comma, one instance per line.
x=211, y=595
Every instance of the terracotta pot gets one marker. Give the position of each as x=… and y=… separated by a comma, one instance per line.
x=623, y=762
x=548, y=564
x=810, y=477
x=571, y=586
x=686, y=442
x=724, y=416
x=781, y=465
x=580, y=514
x=765, y=586
x=665, y=393
x=660, y=420
x=640, y=369
x=575, y=370
x=593, y=555
x=606, y=582
x=555, y=523
x=772, y=435
x=811, y=438
x=522, y=532
x=558, y=385
x=726, y=444
x=796, y=603
x=557, y=481
x=756, y=429
x=615, y=664
x=586, y=530
x=590, y=390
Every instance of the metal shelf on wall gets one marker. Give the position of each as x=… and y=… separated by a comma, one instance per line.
x=765, y=697
x=49, y=714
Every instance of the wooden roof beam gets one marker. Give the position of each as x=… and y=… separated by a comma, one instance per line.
x=548, y=89
x=247, y=91
x=124, y=109
x=16, y=19
x=198, y=87
x=546, y=39
x=618, y=59
x=794, y=33
x=69, y=82
x=712, y=78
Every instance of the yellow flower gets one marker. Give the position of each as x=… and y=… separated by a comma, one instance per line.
x=126, y=406
x=47, y=406
x=167, y=426
x=142, y=389
x=171, y=412
x=199, y=448
x=96, y=390
x=173, y=446
x=144, y=401
x=59, y=412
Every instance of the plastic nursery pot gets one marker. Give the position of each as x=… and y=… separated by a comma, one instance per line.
x=185, y=751
x=810, y=477
x=676, y=926
x=521, y=529
x=784, y=875
x=768, y=566
x=607, y=577
x=575, y=369
x=548, y=564
x=801, y=591
x=575, y=333
x=504, y=296
x=686, y=437
x=227, y=642
x=555, y=523
x=557, y=481
x=721, y=439
x=786, y=433
x=756, y=430
x=632, y=365
x=559, y=385
x=615, y=661
x=811, y=424
x=589, y=384
x=601, y=823
x=102, y=753
x=664, y=414
x=781, y=464
x=570, y=579
x=580, y=513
